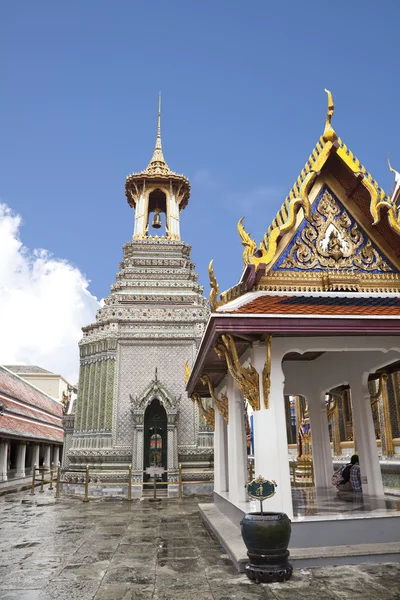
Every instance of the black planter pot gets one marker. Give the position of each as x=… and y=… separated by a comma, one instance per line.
x=267, y=538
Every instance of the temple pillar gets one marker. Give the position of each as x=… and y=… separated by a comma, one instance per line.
x=220, y=454
x=321, y=447
x=270, y=439
x=237, y=465
x=3, y=460
x=371, y=477
x=47, y=455
x=21, y=453
x=35, y=455
x=56, y=455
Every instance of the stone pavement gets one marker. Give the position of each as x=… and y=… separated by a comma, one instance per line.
x=112, y=550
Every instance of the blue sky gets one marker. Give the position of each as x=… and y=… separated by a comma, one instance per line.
x=243, y=106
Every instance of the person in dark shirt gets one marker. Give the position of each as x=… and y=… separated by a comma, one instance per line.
x=351, y=477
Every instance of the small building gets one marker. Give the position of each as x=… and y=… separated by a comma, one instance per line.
x=31, y=429
x=315, y=314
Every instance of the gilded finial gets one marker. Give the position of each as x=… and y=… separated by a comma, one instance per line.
x=214, y=303
x=249, y=245
x=157, y=165
x=159, y=121
x=329, y=134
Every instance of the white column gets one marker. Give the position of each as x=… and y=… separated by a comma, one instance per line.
x=35, y=455
x=371, y=476
x=3, y=459
x=220, y=454
x=170, y=449
x=47, y=454
x=56, y=453
x=21, y=454
x=237, y=457
x=321, y=447
x=270, y=438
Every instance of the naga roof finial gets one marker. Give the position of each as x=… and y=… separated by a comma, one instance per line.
x=329, y=134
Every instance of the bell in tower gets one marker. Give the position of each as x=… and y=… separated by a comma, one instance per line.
x=156, y=219
x=157, y=190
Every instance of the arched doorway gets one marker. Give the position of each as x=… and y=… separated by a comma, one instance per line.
x=155, y=438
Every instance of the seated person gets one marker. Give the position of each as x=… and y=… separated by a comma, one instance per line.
x=351, y=477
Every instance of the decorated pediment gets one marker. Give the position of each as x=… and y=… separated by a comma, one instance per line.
x=320, y=241
x=332, y=240
x=155, y=389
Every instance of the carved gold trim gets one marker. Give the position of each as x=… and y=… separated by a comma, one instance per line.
x=249, y=244
x=246, y=378
x=214, y=292
x=266, y=374
x=332, y=409
x=323, y=282
x=220, y=403
x=187, y=371
x=208, y=414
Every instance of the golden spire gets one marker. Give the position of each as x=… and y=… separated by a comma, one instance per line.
x=329, y=134
x=157, y=165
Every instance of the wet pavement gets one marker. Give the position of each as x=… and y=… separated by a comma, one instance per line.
x=115, y=550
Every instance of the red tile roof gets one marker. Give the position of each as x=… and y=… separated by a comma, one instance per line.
x=10, y=425
x=16, y=387
x=322, y=305
x=27, y=412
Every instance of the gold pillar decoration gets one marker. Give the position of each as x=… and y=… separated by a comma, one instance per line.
x=332, y=409
x=381, y=400
x=304, y=470
x=299, y=417
x=352, y=420
x=246, y=378
x=266, y=374
x=208, y=413
x=187, y=372
x=387, y=424
x=214, y=292
x=220, y=403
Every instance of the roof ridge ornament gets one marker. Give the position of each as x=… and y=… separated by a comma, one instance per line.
x=396, y=187
x=329, y=134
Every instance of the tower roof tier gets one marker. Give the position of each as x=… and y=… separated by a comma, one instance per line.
x=136, y=183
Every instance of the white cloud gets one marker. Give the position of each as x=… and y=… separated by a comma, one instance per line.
x=44, y=303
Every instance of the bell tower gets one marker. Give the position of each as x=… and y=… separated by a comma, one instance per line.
x=157, y=191
x=151, y=322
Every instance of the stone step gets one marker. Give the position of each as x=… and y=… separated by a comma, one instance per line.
x=230, y=537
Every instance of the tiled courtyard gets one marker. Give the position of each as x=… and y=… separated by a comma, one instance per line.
x=113, y=550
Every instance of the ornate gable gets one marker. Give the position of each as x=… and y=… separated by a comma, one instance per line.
x=328, y=233
x=332, y=240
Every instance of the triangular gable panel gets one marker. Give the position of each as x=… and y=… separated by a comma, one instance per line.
x=332, y=240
